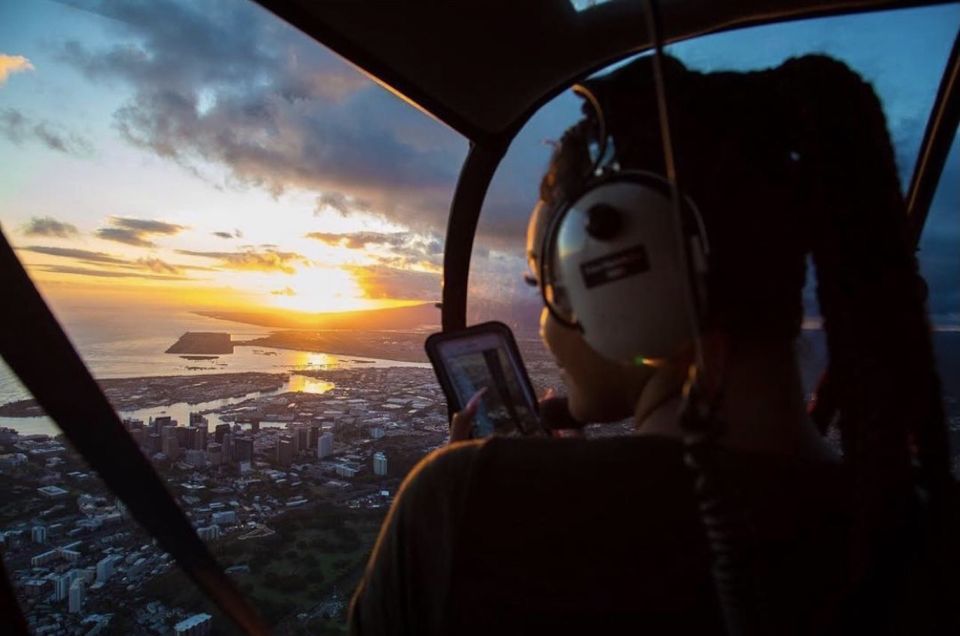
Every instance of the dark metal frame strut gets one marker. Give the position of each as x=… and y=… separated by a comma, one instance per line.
x=37, y=349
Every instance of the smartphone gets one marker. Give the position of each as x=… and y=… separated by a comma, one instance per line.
x=486, y=356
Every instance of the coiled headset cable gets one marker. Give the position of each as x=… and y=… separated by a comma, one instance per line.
x=726, y=519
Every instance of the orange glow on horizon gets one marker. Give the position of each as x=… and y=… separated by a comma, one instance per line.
x=314, y=290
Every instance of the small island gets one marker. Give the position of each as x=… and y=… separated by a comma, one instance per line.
x=203, y=343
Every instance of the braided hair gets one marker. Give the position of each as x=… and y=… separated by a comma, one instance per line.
x=784, y=164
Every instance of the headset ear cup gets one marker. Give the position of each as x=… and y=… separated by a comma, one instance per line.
x=614, y=254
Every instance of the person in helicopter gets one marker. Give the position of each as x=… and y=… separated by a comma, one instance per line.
x=542, y=535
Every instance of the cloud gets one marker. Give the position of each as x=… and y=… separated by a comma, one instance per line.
x=10, y=64
x=252, y=259
x=359, y=240
x=147, y=226
x=104, y=273
x=18, y=128
x=160, y=266
x=286, y=291
x=340, y=202
x=136, y=231
x=402, y=250
x=123, y=235
x=157, y=267
x=86, y=256
x=378, y=281
x=48, y=226
x=231, y=86
x=229, y=235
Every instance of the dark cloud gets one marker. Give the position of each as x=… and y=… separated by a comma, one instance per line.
x=228, y=84
x=19, y=128
x=229, y=235
x=268, y=260
x=159, y=268
x=86, y=256
x=49, y=226
x=147, y=226
x=286, y=291
x=105, y=273
x=124, y=235
x=378, y=281
x=137, y=231
x=340, y=202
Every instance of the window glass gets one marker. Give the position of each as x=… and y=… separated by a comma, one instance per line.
x=940, y=265
x=210, y=202
x=901, y=53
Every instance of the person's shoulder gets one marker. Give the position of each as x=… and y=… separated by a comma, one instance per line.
x=442, y=475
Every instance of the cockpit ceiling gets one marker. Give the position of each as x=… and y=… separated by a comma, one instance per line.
x=482, y=67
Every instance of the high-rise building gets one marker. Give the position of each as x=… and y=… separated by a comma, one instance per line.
x=313, y=435
x=220, y=431
x=229, y=448
x=160, y=421
x=170, y=446
x=200, y=424
x=379, y=464
x=61, y=584
x=244, y=449
x=191, y=435
x=105, y=568
x=303, y=439
x=195, y=457
x=39, y=534
x=284, y=451
x=294, y=438
x=325, y=445
x=153, y=443
x=214, y=453
x=77, y=596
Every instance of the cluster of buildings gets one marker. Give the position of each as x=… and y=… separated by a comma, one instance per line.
x=72, y=550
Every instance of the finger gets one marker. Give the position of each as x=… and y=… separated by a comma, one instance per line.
x=460, y=427
x=462, y=422
x=474, y=403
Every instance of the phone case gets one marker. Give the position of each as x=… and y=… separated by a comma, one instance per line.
x=432, y=348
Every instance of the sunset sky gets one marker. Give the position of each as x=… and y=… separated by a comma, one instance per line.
x=208, y=154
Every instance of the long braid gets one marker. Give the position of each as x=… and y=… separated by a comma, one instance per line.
x=882, y=374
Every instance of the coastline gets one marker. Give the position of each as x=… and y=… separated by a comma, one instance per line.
x=399, y=346
x=131, y=394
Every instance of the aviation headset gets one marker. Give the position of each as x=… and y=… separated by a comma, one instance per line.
x=623, y=261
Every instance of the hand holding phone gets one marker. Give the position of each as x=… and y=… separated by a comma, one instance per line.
x=461, y=426
x=485, y=357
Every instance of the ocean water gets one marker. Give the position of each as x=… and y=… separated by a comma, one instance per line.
x=125, y=342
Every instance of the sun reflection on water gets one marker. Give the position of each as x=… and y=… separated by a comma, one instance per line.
x=303, y=359
x=302, y=383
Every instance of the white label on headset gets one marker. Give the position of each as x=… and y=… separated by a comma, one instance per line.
x=614, y=267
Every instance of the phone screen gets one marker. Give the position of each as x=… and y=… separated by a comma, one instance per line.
x=484, y=360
